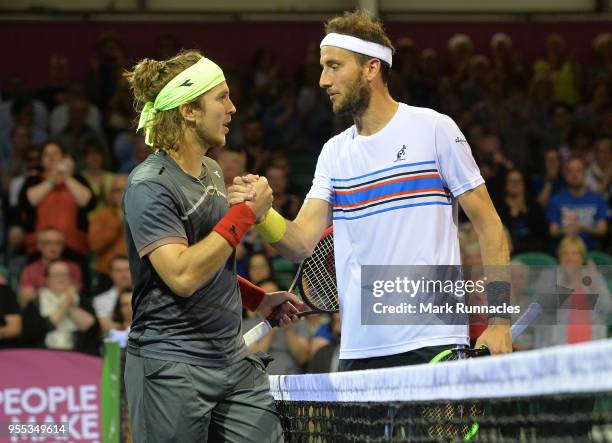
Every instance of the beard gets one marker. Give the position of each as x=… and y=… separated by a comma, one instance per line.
x=356, y=99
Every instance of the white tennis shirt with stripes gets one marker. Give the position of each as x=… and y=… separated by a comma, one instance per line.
x=394, y=198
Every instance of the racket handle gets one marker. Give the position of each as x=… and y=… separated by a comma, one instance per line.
x=257, y=333
x=533, y=310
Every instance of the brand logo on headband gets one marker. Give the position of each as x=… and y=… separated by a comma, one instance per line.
x=187, y=83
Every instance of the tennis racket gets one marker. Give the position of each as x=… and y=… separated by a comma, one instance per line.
x=316, y=281
x=447, y=417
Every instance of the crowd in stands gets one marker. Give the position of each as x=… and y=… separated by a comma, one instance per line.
x=540, y=130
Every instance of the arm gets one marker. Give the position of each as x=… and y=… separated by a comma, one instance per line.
x=13, y=327
x=600, y=229
x=61, y=310
x=185, y=269
x=495, y=257
x=479, y=208
x=26, y=295
x=83, y=319
x=37, y=193
x=82, y=195
x=303, y=234
x=544, y=195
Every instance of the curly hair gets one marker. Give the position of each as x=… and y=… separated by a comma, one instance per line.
x=147, y=79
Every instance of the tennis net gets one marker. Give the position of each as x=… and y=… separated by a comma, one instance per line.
x=552, y=395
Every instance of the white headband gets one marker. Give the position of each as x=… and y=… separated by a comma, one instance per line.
x=358, y=45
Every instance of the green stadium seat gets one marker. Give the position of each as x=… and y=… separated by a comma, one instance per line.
x=599, y=258
x=283, y=271
x=535, y=259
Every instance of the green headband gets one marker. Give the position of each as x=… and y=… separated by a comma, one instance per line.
x=186, y=86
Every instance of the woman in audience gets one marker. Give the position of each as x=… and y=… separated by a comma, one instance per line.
x=523, y=217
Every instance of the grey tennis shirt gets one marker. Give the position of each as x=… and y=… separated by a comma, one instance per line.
x=165, y=205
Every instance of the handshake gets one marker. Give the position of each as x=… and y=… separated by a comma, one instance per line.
x=255, y=191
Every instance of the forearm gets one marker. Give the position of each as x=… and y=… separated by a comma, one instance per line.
x=295, y=244
x=544, y=195
x=302, y=235
x=59, y=313
x=493, y=245
x=83, y=319
x=37, y=193
x=81, y=193
x=599, y=230
x=12, y=329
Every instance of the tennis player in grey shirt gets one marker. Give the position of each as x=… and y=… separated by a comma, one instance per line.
x=189, y=376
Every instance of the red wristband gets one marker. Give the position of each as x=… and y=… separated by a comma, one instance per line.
x=236, y=222
x=251, y=294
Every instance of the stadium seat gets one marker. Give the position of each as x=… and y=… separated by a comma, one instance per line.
x=283, y=271
x=536, y=259
x=599, y=258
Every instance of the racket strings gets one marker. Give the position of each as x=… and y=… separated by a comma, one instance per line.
x=319, y=276
x=448, y=418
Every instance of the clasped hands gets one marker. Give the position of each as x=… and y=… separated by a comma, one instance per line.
x=256, y=192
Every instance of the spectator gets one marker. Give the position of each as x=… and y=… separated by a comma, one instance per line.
x=286, y=204
x=105, y=302
x=602, y=46
x=506, y=60
x=122, y=319
x=57, y=198
x=78, y=134
x=13, y=151
x=523, y=217
x=551, y=181
x=100, y=180
x=565, y=72
x=541, y=100
x=259, y=268
x=106, y=66
x=461, y=50
x=19, y=108
x=50, y=243
x=59, y=118
x=557, y=133
x=120, y=111
x=106, y=230
x=129, y=149
x=583, y=297
x=472, y=90
x=323, y=347
x=599, y=173
x=23, y=111
x=58, y=315
x=233, y=164
x=576, y=210
x=10, y=316
x=122, y=313
x=257, y=154
x=16, y=234
x=55, y=91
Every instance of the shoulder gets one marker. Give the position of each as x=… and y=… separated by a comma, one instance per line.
x=150, y=177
